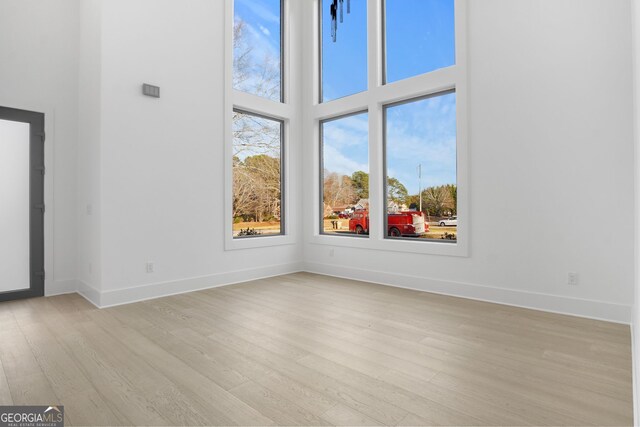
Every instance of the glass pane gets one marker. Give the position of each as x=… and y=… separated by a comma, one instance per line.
x=345, y=175
x=421, y=168
x=344, y=62
x=257, y=58
x=257, y=175
x=420, y=37
x=14, y=202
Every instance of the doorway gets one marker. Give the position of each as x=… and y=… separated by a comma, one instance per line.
x=21, y=204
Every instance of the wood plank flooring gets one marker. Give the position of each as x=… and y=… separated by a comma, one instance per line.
x=305, y=349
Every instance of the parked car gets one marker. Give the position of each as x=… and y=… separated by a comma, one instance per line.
x=401, y=224
x=448, y=222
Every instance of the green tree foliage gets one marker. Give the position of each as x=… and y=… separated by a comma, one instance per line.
x=396, y=191
x=360, y=181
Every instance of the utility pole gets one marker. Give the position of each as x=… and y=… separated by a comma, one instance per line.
x=420, y=184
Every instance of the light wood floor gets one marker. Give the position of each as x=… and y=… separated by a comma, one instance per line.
x=304, y=349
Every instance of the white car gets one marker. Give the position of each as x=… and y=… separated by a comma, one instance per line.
x=451, y=221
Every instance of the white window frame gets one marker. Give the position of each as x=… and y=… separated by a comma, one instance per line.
x=373, y=101
x=286, y=111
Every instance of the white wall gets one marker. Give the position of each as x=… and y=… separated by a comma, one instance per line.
x=90, y=94
x=38, y=72
x=551, y=165
x=14, y=215
x=161, y=160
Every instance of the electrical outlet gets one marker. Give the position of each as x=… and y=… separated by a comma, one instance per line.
x=331, y=252
x=89, y=209
x=150, y=267
x=90, y=268
x=572, y=279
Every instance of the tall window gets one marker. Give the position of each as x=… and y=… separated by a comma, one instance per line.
x=414, y=52
x=259, y=118
x=345, y=175
x=420, y=155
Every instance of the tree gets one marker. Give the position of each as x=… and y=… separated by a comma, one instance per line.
x=338, y=190
x=439, y=201
x=360, y=181
x=256, y=188
x=453, y=193
x=396, y=191
x=251, y=73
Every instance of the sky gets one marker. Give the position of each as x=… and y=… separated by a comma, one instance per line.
x=422, y=133
x=419, y=39
x=262, y=20
x=346, y=144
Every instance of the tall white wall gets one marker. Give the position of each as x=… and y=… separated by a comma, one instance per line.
x=551, y=165
x=38, y=72
x=90, y=94
x=161, y=160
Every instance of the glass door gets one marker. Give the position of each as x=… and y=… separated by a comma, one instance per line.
x=21, y=204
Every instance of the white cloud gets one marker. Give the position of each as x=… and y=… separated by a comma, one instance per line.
x=264, y=30
x=335, y=161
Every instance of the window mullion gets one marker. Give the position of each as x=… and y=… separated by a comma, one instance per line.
x=376, y=192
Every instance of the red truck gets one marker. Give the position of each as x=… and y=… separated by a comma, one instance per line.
x=401, y=224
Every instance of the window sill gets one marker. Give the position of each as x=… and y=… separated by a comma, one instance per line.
x=232, y=244
x=458, y=249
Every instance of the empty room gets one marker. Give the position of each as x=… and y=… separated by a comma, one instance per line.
x=319, y=212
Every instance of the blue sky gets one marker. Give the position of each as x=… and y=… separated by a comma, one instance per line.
x=262, y=20
x=344, y=63
x=346, y=144
x=422, y=132
x=420, y=39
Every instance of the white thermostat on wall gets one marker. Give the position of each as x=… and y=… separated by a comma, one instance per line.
x=150, y=90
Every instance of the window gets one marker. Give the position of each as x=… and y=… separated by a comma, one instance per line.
x=345, y=175
x=257, y=175
x=421, y=190
x=403, y=62
x=257, y=48
x=419, y=37
x=259, y=118
x=343, y=58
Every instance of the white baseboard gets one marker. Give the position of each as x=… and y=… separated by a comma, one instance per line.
x=110, y=298
x=634, y=374
x=60, y=287
x=545, y=302
x=89, y=293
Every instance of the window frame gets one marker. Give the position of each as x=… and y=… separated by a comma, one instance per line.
x=385, y=182
x=285, y=111
x=282, y=176
x=321, y=181
x=374, y=101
